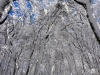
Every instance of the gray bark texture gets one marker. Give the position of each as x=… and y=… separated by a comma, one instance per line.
x=61, y=43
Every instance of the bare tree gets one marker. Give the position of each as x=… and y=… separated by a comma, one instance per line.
x=62, y=42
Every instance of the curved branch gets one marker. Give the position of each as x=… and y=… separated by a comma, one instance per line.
x=5, y=7
x=91, y=19
x=4, y=16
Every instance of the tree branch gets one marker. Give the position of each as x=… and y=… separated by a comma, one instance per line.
x=86, y=4
x=5, y=7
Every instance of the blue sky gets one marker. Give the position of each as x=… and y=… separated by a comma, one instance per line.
x=19, y=13
x=94, y=1
x=29, y=6
x=17, y=6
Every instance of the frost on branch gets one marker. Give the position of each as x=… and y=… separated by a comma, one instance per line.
x=95, y=27
x=5, y=7
x=59, y=43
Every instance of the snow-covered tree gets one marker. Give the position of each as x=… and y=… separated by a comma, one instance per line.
x=50, y=37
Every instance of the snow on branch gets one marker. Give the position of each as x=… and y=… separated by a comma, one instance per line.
x=92, y=20
x=5, y=7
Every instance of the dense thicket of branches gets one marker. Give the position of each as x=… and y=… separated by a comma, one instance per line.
x=60, y=43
